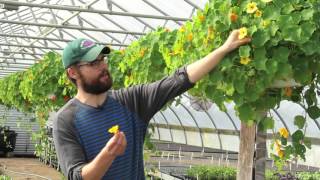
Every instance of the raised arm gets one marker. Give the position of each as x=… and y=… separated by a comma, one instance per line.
x=200, y=68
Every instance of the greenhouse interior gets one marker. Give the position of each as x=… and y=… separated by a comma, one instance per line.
x=253, y=115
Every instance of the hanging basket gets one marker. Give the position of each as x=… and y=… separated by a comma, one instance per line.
x=282, y=83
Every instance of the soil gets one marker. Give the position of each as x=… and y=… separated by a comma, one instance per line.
x=28, y=169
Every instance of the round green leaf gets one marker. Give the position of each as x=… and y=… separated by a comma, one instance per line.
x=287, y=9
x=260, y=38
x=299, y=121
x=283, y=140
x=281, y=54
x=244, y=51
x=300, y=150
x=266, y=123
x=260, y=59
x=292, y=33
x=239, y=85
x=307, y=14
x=297, y=136
x=307, y=31
x=246, y=113
x=285, y=21
x=313, y=112
x=271, y=12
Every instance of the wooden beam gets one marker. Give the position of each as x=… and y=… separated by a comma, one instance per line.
x=246, y=151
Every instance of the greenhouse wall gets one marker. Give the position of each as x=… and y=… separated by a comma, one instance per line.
x=209, y=127
x=23, y=125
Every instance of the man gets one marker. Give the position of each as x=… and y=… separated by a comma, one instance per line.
x=85, y=148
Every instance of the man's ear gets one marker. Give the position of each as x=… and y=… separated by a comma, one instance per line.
x=72, y=73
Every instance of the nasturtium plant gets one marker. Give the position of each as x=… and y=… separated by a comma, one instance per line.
x=284, y=152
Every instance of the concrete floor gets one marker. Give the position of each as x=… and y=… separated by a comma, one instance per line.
x=28, y=169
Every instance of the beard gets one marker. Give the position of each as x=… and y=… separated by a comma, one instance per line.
x=96, y=86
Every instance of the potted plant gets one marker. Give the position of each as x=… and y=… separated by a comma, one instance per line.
x=7, y=139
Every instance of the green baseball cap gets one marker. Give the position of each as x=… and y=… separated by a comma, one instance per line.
x=82, y=50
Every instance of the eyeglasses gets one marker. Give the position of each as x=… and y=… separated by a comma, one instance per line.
x=96, y=63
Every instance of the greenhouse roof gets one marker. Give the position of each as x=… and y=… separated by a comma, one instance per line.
x=31, y=28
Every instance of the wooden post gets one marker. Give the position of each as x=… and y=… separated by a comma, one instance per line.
x=246, y=151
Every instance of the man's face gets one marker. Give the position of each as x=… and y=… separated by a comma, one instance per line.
x=94, y=77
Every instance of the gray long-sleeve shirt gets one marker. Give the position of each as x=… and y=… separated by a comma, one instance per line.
x=80, y=131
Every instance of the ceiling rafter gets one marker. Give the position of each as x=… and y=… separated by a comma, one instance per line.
x=71, y=27
x=90, y=10
x=38, y=27
x=51, y=30
x=55, y=39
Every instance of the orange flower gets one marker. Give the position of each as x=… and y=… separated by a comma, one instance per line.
x=284, y=132
x=190, y=37
x=201, y=18
x=114, y=129
x=288, y=91
x=142, y=52
x=233, y=17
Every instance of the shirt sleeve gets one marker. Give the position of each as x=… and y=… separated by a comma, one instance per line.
x=148, y=99
x=69, y=151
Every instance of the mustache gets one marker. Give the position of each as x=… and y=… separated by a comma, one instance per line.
x=104, y=73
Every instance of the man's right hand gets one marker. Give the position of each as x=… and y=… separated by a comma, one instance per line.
x=101, y=163
x=116, y=145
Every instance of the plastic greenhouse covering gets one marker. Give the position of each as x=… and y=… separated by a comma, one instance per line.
x=29, y=29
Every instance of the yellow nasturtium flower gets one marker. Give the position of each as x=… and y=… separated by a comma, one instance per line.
x=114, y=129
x=280, y=153
x=243, y=32
x=182, y=29
x=258, y=13
x=277, y=145
x=284, y=132
x=252, y=7
x=245, y=60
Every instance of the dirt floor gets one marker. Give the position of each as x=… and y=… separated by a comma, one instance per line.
x=28, y=169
